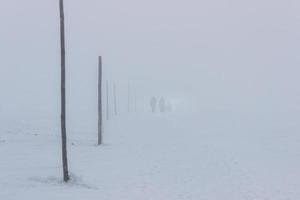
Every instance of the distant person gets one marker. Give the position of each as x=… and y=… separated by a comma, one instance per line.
x=153, y=103
x=162, y=105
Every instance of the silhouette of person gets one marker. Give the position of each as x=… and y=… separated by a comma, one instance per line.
x=162, y=105
x=153, y=103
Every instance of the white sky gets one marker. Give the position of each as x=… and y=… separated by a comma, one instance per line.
x=221, y=54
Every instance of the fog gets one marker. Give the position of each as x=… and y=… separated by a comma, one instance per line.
x=231, y=55
x=229, y=68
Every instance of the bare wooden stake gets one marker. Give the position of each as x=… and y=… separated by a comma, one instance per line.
x=100, y=101
x=63, y=93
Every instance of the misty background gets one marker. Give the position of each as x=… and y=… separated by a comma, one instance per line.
x=218, y=55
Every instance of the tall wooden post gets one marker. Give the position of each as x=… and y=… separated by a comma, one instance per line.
x=115, y=100
x=63, y=93
x=99, y=100
x=107, y=101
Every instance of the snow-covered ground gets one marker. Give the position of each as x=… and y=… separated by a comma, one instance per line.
x=173, y=156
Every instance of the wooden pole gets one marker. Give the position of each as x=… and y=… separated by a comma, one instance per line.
x=63, y=93
x=115, y=100
x=99, y=100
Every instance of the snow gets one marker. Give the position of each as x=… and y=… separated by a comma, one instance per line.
x=173, y=156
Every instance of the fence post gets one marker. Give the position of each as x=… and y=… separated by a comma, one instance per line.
x=100, y=100
x=63, y=93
